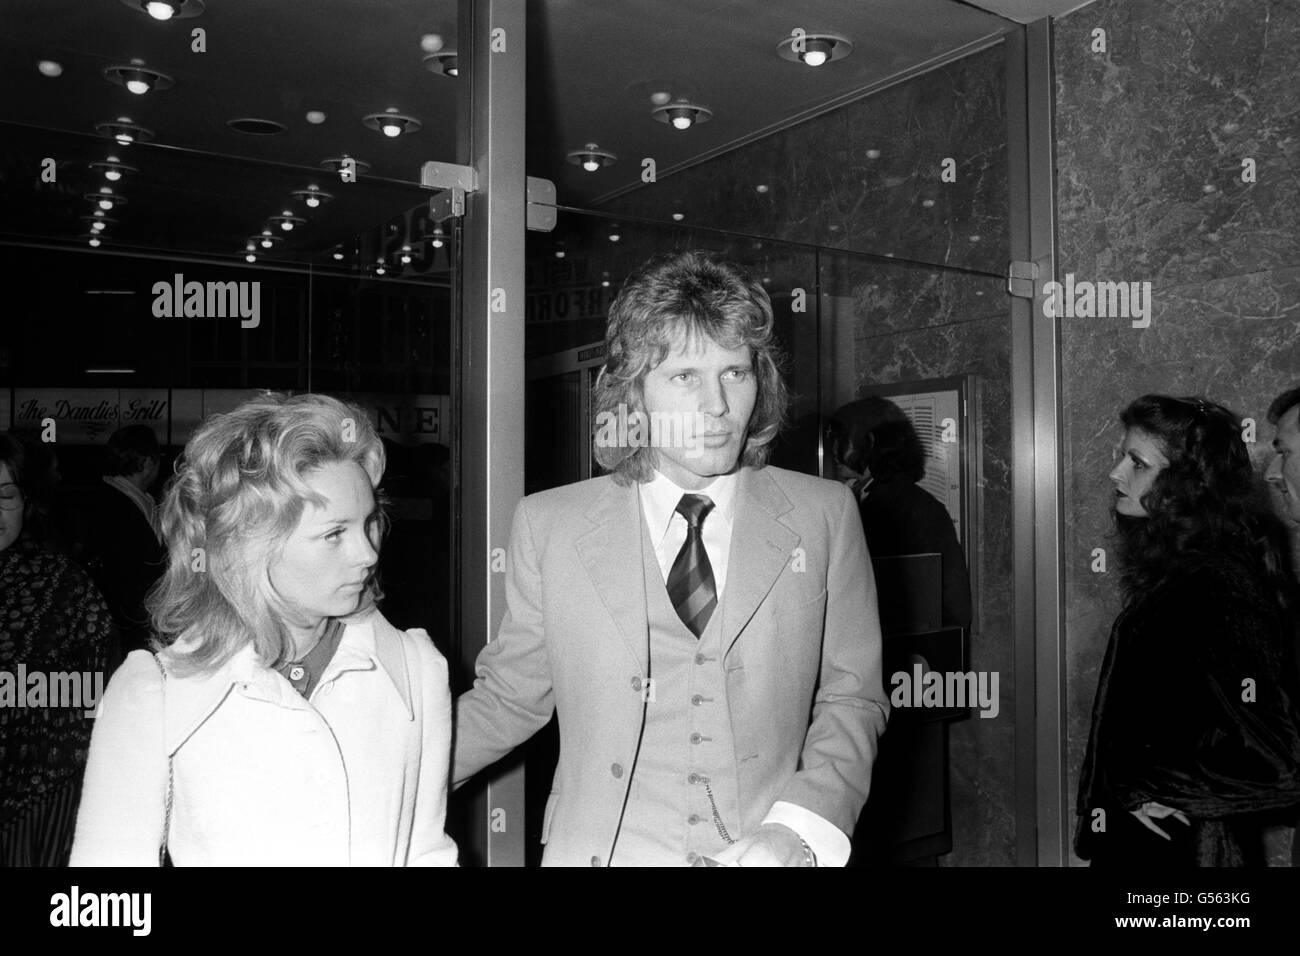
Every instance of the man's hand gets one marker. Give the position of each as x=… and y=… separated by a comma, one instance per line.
x=1149, y=812
x=773, y=845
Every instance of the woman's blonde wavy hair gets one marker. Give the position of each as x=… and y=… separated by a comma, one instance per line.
x=237, y=495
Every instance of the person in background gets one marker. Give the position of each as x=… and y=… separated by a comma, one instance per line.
x=1284, y=469
x=881, y=457
x=52, y=621
x=283, y=721
x=1283, y=475
x=123, y=548
x=1193, y=758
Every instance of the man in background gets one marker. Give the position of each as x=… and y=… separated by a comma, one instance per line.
x=123, y=548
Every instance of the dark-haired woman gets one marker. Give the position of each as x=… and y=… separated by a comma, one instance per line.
x=1194, y=753
x=874, y=442
x=54, y=628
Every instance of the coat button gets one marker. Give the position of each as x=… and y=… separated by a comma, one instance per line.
x=692, y=858
x=636, y=683
x=616, y=770
x=697, y=700
x=693, y=779
x=693, y=819
x=699, y=658
x=696, y=738
x=595, y=861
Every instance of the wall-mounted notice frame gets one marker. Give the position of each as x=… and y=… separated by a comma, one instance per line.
x=940, y=411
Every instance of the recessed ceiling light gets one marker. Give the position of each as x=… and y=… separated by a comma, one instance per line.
x=113, y=170
x=315, y=117
x=761, y=188
x=124, y=131
x=138, y=79
x=873, y=154
x=255, y=127
x=678, y=216
x=313, y=196
x=335, y=164
x=444, y=63
x=591, y=157
x=49, y=68
x=106, y=199
x=681, y=115
x=391, y=123
x=338, y=256
x=814, y=49
x=167, y=9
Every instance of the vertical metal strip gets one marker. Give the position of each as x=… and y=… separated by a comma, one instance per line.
x=1037, y=530
x=1022, y=461
x=490, y=44
x=1049, y=566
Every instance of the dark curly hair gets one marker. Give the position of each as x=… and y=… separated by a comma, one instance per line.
x=873, y=434
x=1207, y=506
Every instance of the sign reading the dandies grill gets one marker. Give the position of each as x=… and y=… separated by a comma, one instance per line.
x=87, y=416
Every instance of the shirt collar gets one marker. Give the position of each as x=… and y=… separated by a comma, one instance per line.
x=189, y=701
x=660, y=496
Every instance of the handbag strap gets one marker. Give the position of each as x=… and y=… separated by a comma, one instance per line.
x=171, y=788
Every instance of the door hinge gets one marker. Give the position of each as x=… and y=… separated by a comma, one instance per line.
x=1020, y=278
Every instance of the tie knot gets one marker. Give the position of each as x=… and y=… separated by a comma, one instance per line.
x=694, y=507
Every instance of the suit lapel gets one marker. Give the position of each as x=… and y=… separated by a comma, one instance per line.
x=760, y=548
x=611, y=554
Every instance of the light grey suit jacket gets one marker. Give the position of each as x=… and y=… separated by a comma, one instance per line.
x=802, y=658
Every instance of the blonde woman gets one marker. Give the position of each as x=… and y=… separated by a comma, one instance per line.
x=283, y=720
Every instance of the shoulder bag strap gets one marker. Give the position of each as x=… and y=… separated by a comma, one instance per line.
x=163, y=859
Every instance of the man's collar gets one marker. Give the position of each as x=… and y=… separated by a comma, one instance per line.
x=661, y=495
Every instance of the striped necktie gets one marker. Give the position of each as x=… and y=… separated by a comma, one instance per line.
x=690, y=582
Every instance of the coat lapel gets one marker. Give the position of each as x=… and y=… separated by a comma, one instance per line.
x=611, y=554
x=761, y=546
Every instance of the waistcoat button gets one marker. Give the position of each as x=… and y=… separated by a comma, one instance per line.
x=616, y=770
x=595, y=861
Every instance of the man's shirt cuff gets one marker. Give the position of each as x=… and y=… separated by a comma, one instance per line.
x=823, y=837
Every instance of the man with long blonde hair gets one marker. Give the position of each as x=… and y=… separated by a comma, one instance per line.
x=705, y=624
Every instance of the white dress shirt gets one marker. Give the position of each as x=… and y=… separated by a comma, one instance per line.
x=659, y=500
